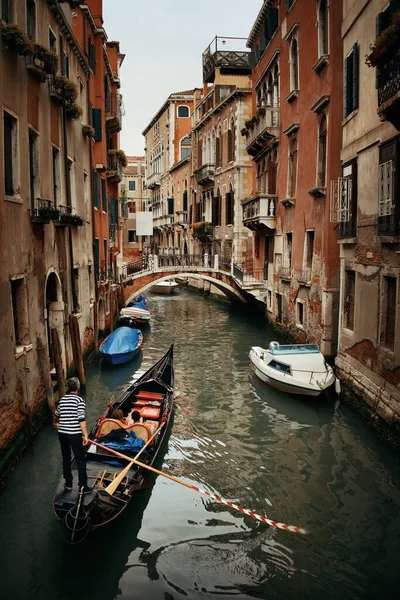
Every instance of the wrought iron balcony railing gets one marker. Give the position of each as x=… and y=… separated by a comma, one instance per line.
x=264, y=127
x=202, y=230
x=388, y=226
x=114, y=112
x=114, y=166
x=44, y=211
x=347, y=229
x=228, y=54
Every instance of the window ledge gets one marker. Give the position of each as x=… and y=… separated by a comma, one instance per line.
x=288, y=201
x=322, y=62
x=300, y=326
x=293, y=95
x=349, y=240
x=349, y=117
x=16, y=199
x=317, y=192
x=19, y=350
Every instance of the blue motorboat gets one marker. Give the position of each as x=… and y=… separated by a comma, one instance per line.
x=122, y=345
x=136, y=312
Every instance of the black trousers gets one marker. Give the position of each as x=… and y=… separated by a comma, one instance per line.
x=73, y=441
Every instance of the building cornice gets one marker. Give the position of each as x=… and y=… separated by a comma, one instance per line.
x=259, y=22
x=172, y=98
x=68, y=33
x=227, y=100
x=180, y=163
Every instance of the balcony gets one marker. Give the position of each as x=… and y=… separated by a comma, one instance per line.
x=154, y=181
x=182, y=217
x=304, y=277
x=261, y=129
x=114, y=112
x=44, y=211
x=205, y=174
x=230, y=55
x=202, y=231
x=67, y=217
x=167, y=222
x=285, y=273
x=35, y=63
x=113, y=234
x=114, y=166
x=259, y=212
x=385, y=57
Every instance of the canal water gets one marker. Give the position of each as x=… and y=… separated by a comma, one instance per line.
x=310, y=463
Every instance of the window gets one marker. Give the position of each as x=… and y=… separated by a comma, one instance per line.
x=86, y=194
x=349, y=299
x=31, y=19
x=71, y=182
x=216, y=210
x=52, y=41
x=299, y=313
x=229, y=207
x=280, y=367
x=271, y=173
x=289, y=4
x=33, y=168
x=56, y=176
x=322, y=148
x=92, y=55
x=389, y=318
x=279, y=305
x=97, y=124
x=294, y=66
x=76, y=290
x=292, y=171
x=351, y=78
x=96, y=189
x=64, y=64
x=19, y=300
x=344, y=200
x=323, y=32
x=289, y=240
x=132, y=185
x=104, y=198
x=105, y=250
x=132, y=236
x=183, y=112
x=309, y=249
x=389, y=189
x=97, y=258
x=186, y=146
x=231, y=142
x=11, y=155
x=6, y=10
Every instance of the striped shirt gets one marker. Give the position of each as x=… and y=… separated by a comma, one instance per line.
x=70, y=412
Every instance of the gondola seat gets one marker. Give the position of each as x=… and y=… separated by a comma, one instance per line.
x=141, y=430
x=148, y=412
x=108, y=425
x=149, y=396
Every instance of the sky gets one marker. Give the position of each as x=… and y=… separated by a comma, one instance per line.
x=163, y=41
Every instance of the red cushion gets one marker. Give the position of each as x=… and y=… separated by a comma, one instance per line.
x=150, y=395
x=148, y=412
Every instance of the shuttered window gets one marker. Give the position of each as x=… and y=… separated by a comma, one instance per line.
x=389, y=189
x=351, y=80
x=104, y=194
x=5, y=10
x=92, y=55
x=216, y=211
x=229, y=203
x=9, y=124
x=96, y=122
x=97, y=258
x=96, y=189
x=185, y=200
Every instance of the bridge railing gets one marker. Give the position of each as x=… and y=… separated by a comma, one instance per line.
x=186, y=260
x=135, y=266
x=245, y=273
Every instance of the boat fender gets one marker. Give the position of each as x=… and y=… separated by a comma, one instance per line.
x=337, y=386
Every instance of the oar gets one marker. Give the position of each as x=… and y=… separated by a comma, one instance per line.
x=285, y=526
x=110, y=489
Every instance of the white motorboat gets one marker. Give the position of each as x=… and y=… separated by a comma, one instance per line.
x=165, y=287
x=296, y=368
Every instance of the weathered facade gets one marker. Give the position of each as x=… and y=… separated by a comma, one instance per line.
x=295, y=143
x=134, y=198
x=180, y=187
x=167, y=142
x=48, y=157
x=366, y=207
x=222, y=173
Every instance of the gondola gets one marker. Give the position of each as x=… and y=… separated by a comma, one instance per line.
x=152, y=395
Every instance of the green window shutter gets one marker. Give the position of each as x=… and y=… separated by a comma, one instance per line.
x=96, y=190
x=185, y=200
x=345, y=86
x=379, y=23
x=96, y=120
x=92, y=56
x=170, y=206
x=356, y=76
x=104, y=194
x=273, y=20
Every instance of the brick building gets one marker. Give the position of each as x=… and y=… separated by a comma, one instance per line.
x=221, y=167
x=294, y=141
x=365, y=207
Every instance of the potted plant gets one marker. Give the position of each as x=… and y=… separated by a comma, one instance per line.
x=122, y=158
x=73, y=110
x=88, y=130
x=15, y=40
x=385, y=40
x=65, y=88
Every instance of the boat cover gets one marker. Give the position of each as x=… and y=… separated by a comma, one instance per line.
x=138, y=302
x=122, y=340
x=125, y=442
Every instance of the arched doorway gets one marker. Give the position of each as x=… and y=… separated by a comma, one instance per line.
x=54, y=314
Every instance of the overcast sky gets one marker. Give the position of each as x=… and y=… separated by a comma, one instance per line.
x=163, y=41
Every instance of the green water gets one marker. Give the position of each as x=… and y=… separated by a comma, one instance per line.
x=305, y=462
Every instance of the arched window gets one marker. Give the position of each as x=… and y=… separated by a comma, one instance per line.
x=229, y=206
x=231, y=141
x=271, y=175
x=292, y=171
x=213, y=149
x=183, y=112
x=186, y=147
x=259, y=177
x=322, y=147
x=216, y=209
x=294, y=66
x=270, y=91
x=323, y=31
x=276, y=86
x=219, y=149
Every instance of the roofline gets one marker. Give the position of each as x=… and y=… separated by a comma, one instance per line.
x=258, y=22
x=171, y=98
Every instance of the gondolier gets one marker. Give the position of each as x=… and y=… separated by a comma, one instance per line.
x=70, y=421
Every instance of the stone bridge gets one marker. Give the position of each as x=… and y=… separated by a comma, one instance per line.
x=139, y=276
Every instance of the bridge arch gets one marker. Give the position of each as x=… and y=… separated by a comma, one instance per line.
x=144, y=281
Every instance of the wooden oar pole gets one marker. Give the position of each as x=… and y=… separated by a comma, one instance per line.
x=246, y=511
x=110, y=489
